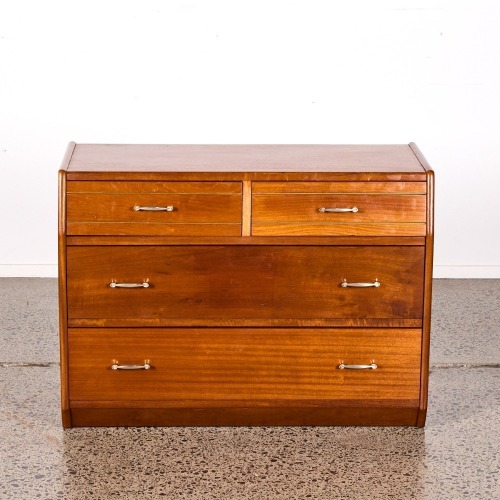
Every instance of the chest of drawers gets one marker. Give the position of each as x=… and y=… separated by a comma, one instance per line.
x=244, y=285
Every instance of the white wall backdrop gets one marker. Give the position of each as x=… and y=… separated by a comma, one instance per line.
x=256, y=71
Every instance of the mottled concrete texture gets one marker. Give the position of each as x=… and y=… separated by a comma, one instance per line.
x=466, y=322
x=29, y=320
x=454, y=457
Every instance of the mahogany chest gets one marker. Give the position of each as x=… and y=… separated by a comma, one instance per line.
x=244, y=284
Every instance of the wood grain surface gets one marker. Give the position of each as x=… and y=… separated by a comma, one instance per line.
x=244, y=365
x=250, y=415
x=339, y=187
x=245, y=321
x=249, y=158
x=107, y=208
x=224, y=283
x=377, y=214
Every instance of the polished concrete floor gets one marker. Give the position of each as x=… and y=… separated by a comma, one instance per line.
x=456, y=456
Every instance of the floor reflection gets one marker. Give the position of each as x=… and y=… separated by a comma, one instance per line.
x=250, y=462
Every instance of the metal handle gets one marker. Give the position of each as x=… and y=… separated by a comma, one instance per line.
x=338, y=210
x=169, y=208
x=375, y=284
x=372, y=366
x=145, y=366
x=129, y=285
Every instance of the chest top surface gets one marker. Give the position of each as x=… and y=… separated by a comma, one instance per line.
x=259, y=158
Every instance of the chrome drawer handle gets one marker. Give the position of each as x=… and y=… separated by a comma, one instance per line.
x=129, y=285
x=373, y=366
x=145, y=366
x=169, y=208
x=338, y=210
x=375, y=284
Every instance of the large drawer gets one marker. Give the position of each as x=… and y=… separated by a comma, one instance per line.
x=244, y=365
x=154, y=208
x=255, y=285
x=338, y=208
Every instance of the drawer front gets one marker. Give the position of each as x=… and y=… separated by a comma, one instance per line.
x=243, y=365
x=215, y=284
x=154, y=208
x=338, y=209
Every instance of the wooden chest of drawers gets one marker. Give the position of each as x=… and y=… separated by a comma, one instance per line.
x=245, y=285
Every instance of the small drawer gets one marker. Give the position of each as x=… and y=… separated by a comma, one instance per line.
x=377, y=366
x=339, y=209
x=154, y=208
x=236, y=285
